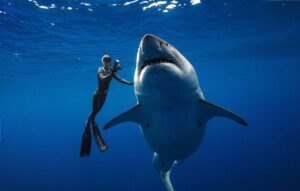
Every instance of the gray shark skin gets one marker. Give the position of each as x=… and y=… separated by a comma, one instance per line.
x=171, y=110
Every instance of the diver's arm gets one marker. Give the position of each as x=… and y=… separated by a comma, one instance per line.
x=106, y=76
x=117, y=67
x=121, y=79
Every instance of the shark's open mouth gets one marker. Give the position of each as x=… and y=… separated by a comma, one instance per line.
x=156, y=61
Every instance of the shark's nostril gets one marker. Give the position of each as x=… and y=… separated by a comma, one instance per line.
x=148, y=37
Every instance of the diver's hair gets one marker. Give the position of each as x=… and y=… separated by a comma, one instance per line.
x=104, y=57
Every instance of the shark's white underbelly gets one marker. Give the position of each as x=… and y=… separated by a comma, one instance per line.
x=173, y=130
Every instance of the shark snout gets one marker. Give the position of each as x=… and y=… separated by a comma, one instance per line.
x=153, y=51
x=149, y=37
x=153, y=47
x=150, y=42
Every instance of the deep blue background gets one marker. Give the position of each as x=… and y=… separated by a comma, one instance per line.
x=246, y=54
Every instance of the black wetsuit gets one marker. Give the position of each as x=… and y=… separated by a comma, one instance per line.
x=104, y=77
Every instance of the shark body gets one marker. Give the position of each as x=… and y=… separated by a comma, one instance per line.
x=171, y=109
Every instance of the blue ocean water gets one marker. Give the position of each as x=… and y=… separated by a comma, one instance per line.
x=246, y=54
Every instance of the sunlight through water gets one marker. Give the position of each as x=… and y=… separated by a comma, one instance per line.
x=163, y=6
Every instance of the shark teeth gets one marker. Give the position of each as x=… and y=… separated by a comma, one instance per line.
x=156, y=61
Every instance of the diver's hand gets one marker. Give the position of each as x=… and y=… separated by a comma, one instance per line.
x=117, y=66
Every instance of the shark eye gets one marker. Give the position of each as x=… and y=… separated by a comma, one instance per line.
x=167, y=44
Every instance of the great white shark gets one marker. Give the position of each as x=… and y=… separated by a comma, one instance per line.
x=171, y=110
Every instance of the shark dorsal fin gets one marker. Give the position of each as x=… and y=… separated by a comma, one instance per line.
x=215, y=110
x=130, y=115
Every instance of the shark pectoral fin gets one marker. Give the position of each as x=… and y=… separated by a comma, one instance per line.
x=130, y=115
x=215, y=110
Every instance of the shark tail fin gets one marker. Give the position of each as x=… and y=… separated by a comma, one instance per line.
x=215, y=110
x=166, y=180
x=164, y=167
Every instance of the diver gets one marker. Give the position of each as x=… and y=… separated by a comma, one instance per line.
x=105, y=74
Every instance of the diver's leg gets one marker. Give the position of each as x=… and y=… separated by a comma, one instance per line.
x=86, y=136
x=98, y=102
